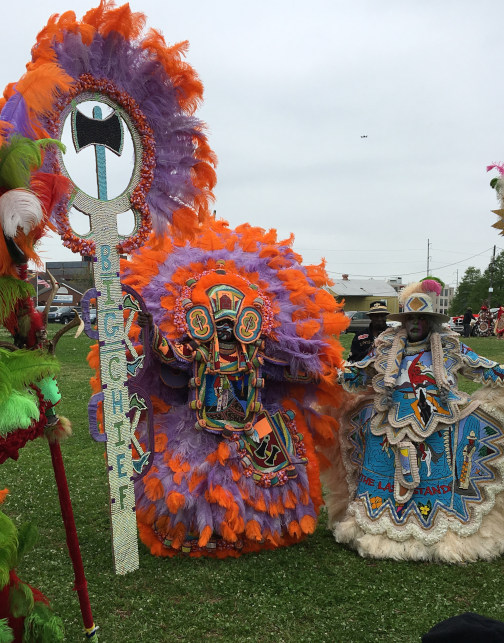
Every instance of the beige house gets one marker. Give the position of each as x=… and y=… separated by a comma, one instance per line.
x=359, y=294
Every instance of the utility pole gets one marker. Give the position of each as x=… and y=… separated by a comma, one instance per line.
x=428, y=257
x=490, y=287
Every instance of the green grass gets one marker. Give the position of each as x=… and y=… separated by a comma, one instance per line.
x=315, y=591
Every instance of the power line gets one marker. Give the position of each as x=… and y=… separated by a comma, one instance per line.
x=417, y=272
x=463, y=260
x=357, y=250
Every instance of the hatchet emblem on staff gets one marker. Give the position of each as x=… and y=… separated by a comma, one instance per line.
x=118, y=413
x=100, y=133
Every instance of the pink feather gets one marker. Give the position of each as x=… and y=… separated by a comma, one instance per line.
x=430, y=285
x=497, y=167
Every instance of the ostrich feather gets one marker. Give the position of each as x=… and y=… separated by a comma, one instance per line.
x=408, y=290
x=15, y=112
x=26, y=366
x=19, y=209
x=432, y=285
x=19, y=158
x=496, y=166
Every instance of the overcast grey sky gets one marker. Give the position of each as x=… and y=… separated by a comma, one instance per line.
x=290, y=89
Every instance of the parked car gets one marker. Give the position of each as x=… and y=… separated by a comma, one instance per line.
x=360, y=320
x=67, y=313
x=52, y=315
x=457, y=324
x=92, y=315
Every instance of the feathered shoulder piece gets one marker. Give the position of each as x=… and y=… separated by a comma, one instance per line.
x=109, y=54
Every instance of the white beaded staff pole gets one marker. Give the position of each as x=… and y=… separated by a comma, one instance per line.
x=112, y=336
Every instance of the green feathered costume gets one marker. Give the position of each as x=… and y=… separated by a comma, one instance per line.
x=25, y=615
x=26, y=386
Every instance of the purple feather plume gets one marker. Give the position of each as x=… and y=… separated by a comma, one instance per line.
x=15, y=112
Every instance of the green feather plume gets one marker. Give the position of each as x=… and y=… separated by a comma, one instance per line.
x=42, y=626
x=18, y=412
x=11, y=291
x=19, y=369
x=26, y=366
x=6, y=634
x=21, y=600
x=8, y=548
x=40, y=623
x=27, y=537
x=5, y=385
x=19, y=158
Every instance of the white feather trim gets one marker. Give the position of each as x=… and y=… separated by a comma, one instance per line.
x=19, y=209
x=486, y=544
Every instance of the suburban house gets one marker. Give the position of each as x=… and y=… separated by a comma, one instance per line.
x=72, y=277
x=360, y=293
x=66, y=295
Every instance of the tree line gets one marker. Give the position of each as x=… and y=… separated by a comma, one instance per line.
x=472, y=290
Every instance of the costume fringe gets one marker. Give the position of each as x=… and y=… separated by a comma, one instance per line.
x=486, y=544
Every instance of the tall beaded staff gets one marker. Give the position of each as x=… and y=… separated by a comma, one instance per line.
x=109, y=59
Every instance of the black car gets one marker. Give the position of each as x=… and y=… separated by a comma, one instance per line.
x=359, y=321
x=67, y=313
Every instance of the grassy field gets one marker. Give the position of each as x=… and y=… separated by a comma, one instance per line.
x=316, y=591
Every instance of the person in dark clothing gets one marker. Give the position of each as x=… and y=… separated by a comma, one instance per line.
x=466, y=628
x=468, y=317
x=363, y=341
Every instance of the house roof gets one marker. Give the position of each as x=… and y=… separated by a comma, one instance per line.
x=60, y=286
x=65, y=285
x=361, y=288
